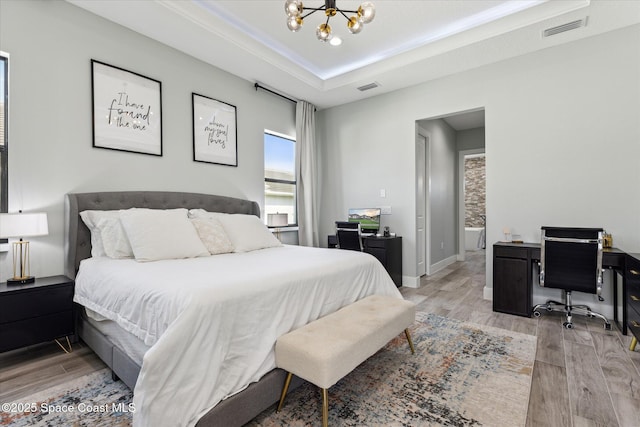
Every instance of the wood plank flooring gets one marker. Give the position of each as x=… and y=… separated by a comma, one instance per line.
x=582, y=377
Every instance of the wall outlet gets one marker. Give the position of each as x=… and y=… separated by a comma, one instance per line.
x=383, y=192
x=441, y=245
x=385, y=210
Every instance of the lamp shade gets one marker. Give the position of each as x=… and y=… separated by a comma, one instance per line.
x=277, y=220
x=23, y=225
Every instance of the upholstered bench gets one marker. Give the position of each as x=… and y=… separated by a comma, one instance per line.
x=325, y=350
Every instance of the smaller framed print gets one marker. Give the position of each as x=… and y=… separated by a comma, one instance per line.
x=127, y=110
x=214, y=131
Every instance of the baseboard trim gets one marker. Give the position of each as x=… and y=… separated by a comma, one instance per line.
x=411, y=281
x=487, y=293
x=443, y=264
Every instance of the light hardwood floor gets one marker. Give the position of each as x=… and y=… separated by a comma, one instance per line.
x=581, y=377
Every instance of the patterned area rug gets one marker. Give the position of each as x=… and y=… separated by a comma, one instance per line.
x=462, y=374
x=92, y=400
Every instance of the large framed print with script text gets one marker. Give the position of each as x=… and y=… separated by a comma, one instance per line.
x=214, y=131
x=127, y=110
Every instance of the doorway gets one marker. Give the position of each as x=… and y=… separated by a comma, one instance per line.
x=439, y=187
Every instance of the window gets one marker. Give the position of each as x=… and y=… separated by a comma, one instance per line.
x=280, y=176
x=4, y=127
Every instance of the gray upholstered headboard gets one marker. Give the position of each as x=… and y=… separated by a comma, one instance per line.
x=78, y=239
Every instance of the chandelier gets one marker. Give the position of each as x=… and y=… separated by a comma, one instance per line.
x=295, y=9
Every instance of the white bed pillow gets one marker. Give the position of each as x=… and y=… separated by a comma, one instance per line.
x=108, y=238
x=156, y=234
x=246, y=232
x=201, y=213
x=212, y=234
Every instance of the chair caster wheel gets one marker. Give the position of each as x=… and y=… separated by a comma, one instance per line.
x=549, y=309
x=568, y=325
x=536, y=314
x=607, y=326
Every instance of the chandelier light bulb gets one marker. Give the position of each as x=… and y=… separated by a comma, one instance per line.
x=294, y=23
x=367, y=12
x=323, y=32
x=355, y=25
x=296, y=13
x=293, y=7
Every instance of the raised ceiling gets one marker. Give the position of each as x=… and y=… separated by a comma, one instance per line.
x=407, y=43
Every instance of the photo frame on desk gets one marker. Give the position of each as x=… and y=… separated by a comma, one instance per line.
x=126, y=109
x=214, y=131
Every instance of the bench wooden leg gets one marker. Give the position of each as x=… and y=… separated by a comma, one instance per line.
x=325, y=408
x=284, y=391
x=634, y=341
x=408, y=335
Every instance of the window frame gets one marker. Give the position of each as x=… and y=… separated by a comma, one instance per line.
x=294, y=182
x=4, y=148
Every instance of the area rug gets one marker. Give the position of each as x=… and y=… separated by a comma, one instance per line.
x=92, y=400
x=463, y=374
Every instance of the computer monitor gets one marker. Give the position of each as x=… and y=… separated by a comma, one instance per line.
x=369, y=219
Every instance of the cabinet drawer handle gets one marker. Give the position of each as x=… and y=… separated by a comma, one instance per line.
x=635, y=324
x=633, y=297
x=634, y=272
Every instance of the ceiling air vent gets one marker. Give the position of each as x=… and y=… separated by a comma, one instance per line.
x=565, y=27
x=369, y=86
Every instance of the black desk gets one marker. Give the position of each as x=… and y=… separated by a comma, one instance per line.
x=513, y=278
x=388, y=250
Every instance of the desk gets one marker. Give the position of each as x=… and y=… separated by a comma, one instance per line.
x=388, y=250
x=513, y=278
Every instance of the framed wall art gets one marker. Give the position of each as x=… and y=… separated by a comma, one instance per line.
x=214, y=131
x=127, y=110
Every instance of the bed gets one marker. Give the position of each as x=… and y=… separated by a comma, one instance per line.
x=127, y=359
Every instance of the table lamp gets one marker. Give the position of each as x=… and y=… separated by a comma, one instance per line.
x=18, y=226
x=277, y=220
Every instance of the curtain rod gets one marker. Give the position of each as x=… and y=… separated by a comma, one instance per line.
x=257, y=86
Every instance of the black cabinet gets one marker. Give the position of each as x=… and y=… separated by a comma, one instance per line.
x=632, y=276
x=511, y=280
x=35, y=312
x=388, y=250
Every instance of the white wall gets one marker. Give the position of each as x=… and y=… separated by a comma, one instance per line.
x=51, y=44
x=562, y=142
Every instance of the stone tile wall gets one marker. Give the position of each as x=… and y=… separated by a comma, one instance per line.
x=475, y=190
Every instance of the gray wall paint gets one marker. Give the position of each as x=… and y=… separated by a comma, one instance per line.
x=51, y=44
x=562, y=134
x=442, y=189
x=470, y=139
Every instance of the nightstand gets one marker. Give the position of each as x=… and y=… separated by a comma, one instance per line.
x=36, y=312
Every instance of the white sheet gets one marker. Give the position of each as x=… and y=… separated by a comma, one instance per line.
x=213, y=321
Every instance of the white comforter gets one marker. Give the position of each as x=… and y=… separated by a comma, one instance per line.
x=213, y=322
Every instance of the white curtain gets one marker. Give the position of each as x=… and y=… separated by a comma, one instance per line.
x=306, y=174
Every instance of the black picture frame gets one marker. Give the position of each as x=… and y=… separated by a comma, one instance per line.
x=215, y=126
x=126, y=110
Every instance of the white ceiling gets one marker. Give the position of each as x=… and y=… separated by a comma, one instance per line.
x=407, y=43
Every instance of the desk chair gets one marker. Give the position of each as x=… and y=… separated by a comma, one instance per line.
x=349, y=235
x=571, y=260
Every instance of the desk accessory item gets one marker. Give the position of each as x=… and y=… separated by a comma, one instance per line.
x=516, y=238
x=607, y=240
x=386, y=232
x=18, y=226
x=507, y=234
